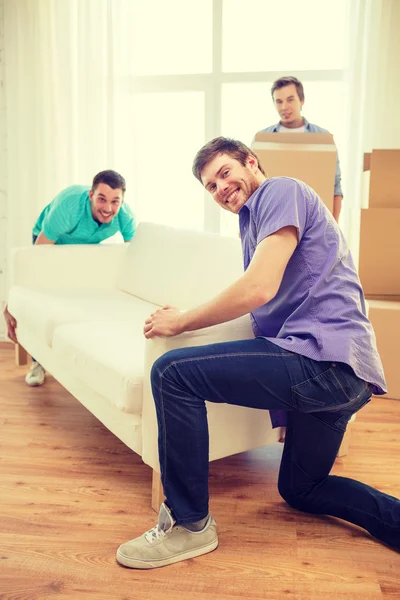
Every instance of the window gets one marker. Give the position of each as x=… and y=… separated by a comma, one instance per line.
x=179, y=40
x=169, y=129
x=266, y=35
x=205, y=68
x=246, y=109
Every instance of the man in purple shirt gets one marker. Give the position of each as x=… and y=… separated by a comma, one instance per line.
x=314, y=357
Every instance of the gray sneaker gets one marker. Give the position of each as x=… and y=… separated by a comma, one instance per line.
x=167, y=543
x=36, y=375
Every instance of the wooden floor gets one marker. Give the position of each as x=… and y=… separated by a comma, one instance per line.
x=71, y=493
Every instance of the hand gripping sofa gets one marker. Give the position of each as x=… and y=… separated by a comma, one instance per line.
x=83, y=317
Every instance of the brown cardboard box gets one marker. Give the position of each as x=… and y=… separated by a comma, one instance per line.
x=379, y=265
x=310, y=157
x=384, y=182
x=385, y=319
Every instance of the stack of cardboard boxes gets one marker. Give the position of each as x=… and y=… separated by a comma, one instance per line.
x=379, y=265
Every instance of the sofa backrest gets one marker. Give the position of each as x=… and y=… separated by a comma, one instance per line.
x=182, y=268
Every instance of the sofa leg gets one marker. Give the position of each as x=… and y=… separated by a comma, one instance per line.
x=157, y=492
x=21, y=355
x=344, y=446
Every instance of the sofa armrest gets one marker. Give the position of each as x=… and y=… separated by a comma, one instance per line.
x=44, y=267
x=238, y=329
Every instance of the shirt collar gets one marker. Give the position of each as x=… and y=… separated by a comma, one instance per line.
x=248, y=205
x=306, y=125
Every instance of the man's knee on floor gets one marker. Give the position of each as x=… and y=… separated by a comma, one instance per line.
x=299, y=498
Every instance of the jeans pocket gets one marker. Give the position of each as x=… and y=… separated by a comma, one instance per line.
x=335, y=389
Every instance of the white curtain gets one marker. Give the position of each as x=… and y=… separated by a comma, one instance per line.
x=374, y=89
x=67, y=119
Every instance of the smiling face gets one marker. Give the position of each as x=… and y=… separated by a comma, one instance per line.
x=289, y=105
x=105, y=202
x=229, y=182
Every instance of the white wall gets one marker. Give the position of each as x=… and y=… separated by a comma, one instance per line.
x=3, y=174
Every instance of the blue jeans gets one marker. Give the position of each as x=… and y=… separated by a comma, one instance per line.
x=320, y=398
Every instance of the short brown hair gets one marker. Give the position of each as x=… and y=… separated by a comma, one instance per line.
x=284, y=81
x=222, y=145
x=111, y=178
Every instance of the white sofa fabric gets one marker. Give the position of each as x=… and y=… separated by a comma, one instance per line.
x=81, y=309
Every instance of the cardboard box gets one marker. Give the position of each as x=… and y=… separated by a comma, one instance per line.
x=310, y=157
x=384, y=189
x=379, y=261
x=385, y=319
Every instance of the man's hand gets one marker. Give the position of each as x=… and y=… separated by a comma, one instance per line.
x=165, y=322
x=11, y=325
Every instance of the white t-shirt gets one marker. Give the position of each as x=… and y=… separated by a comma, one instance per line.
x=283, y=129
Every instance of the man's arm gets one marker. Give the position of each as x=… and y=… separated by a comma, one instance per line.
x=42, y=239
x=259, y=284
x=337, y=206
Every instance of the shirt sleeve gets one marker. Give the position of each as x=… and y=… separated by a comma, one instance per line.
x=127, y=223
x=281, y=204
x=64, y=213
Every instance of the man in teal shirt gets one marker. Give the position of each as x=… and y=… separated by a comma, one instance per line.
x=83, y=215
x=80, y=215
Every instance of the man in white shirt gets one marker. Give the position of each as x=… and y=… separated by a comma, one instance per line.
x=288, y=97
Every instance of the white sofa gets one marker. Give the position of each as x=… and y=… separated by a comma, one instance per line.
x=80, y=312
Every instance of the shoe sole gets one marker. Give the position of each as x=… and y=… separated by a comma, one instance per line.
x=35, y=384
x=141, y=564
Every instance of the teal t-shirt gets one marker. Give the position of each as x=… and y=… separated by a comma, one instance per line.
x=68, y=220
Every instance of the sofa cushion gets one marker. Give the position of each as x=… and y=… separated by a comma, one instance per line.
x=164, y=265
x=42, y=312
x=108, y=356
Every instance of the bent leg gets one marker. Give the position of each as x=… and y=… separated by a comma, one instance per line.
x=320, y=399
x=253, y=373
x=310, y=449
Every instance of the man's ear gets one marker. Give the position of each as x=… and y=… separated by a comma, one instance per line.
x=252, y=162
x=90, y=194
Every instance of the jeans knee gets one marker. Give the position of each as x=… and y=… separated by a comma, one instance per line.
x=286, y=491
x=160, y=366
x=295, y=497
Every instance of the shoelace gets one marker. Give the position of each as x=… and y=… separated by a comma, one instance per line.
x=155, y=534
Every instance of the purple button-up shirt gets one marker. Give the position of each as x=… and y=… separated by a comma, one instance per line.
x=319, y=310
